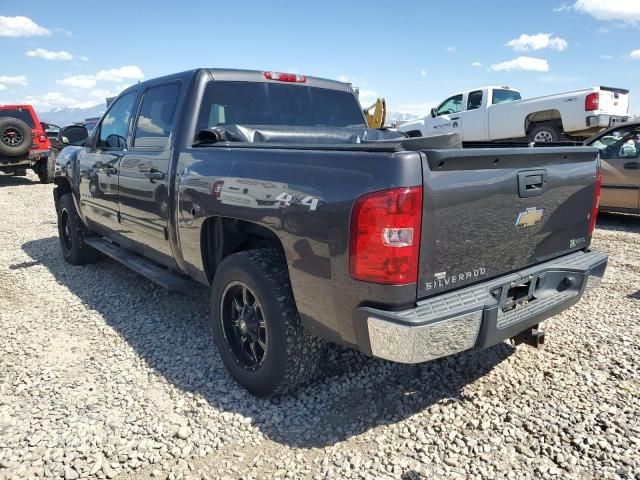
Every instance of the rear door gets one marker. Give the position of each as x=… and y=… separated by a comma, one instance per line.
x=447, y=119
x=488, y=212
x=474, y=117
x=620, y=157
x=143, y=179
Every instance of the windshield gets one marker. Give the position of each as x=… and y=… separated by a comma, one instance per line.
x=19, y=113
x=622, y=143
x=262, y=103
x=503, y=96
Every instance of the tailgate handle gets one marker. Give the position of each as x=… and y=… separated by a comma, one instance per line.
x=532, y=183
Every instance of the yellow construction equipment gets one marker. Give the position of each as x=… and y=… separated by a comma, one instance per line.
x=376, y=114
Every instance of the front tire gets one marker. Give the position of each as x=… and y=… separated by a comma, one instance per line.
x=46, y=169
x=256, y=326
x=72, y=231
x=545, y=133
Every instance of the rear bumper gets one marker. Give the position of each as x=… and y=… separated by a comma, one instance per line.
x=605, y=121
x=28, y=159
x=475, y=317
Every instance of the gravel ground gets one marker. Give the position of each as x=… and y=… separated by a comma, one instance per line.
x=104, y=375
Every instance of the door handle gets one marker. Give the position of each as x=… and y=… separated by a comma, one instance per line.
x=154, y=174
x=632, y=165
x=110, y=170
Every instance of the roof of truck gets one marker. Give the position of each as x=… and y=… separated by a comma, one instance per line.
x=233, y=74
x=259, y=76
x=494, y=87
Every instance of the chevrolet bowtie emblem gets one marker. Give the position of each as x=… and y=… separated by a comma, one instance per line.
x=529, y=217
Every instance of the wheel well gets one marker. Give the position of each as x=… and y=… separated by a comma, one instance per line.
x=414, y=133
x=62, y=186
x=221, y=237
x=544, y=116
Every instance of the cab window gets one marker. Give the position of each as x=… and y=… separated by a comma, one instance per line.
x=157, y=112
x=115, y=125
x=475, y=100
x=504, y=96
x=451, y=105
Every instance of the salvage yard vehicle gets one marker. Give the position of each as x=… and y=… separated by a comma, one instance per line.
x=500, y=113
x=24, y=144
x=620, y=158
x=405, y=249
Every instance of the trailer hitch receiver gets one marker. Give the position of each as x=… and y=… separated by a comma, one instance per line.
x=533, y=337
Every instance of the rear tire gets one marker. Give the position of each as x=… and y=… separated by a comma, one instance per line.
x=46, y=169
x=72, y=231
x=545, y=132
x=283, y=355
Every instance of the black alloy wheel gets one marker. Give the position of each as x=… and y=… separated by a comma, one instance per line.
x=12, y=136
x=244, y=326
x=65, y=230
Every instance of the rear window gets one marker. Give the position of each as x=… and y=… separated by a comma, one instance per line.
x=503, y=96
x=261, y=103
x=20, y=113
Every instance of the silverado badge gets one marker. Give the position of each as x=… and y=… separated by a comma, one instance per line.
x=529, y=217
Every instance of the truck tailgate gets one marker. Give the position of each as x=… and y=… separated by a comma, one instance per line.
x=614, y=101
x=492, y=211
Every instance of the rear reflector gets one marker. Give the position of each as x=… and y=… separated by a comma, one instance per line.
x=385, y=236
x=592, y=102
x=285, y=77
x=596, y=202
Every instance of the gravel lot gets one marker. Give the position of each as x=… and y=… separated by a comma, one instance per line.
x=104, y=375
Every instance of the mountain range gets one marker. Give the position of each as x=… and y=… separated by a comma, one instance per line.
x=68, y=115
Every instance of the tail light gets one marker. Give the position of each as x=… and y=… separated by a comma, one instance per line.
x=385, y=236
x=592, y=102
x=596, y=202
x=285, y=77
x=217, y=188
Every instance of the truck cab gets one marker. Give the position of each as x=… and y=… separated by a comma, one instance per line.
x=464, y=113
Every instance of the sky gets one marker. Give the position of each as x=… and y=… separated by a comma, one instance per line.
x=414, y=53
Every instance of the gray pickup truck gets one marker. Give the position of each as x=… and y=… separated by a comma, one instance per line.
x=306, y=225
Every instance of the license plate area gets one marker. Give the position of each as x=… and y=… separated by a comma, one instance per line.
x=517, y=294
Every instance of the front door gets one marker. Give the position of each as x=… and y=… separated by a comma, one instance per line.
x=447, y=118
x=620, y=157
x=99, y=162
x=143, y=181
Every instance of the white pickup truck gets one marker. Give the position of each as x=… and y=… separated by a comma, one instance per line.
x=500, y=113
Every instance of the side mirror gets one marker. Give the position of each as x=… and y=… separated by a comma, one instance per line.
x=434, y=113
x=73, y=135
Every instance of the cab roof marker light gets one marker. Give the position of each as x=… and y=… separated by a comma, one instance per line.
x=285, y=77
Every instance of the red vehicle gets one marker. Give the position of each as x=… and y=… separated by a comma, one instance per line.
x=24, y=144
